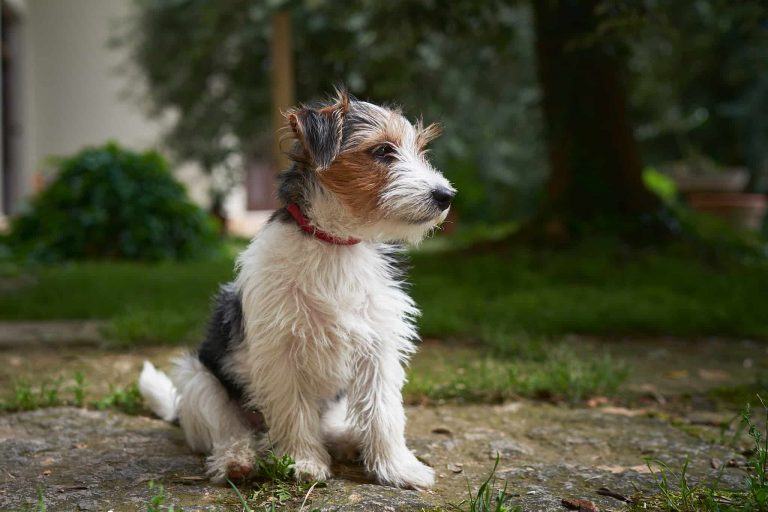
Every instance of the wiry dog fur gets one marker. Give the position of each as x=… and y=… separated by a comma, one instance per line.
x=311, y=337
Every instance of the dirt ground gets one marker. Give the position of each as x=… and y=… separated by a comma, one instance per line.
x=103, y=460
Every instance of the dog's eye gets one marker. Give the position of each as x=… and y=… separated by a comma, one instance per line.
x=383, y=152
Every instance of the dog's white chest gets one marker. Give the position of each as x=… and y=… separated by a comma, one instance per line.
x=317, y=298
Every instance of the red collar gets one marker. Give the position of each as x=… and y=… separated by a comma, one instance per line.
x=304, y=224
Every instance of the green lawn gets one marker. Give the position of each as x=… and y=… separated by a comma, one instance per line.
x=144, y=303
x=593, y=289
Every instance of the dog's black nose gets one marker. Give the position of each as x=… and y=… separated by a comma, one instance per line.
x=443, y=197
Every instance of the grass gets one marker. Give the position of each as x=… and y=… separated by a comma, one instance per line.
x=734, y=397
x=488, y=497
x=677, y=494
x=40, y=506
x=24, y=396
x=157, y=501
x=142, y=303
x=275, y=485
x=599, y=287
x=127, y=400
x=537, y=369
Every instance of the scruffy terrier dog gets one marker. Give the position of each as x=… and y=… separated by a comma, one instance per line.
x=305, y=349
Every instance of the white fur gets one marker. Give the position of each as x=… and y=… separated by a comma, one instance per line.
x=320, y=319
x=159, y=393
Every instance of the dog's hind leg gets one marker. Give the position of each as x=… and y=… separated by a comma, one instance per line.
x=214, y=423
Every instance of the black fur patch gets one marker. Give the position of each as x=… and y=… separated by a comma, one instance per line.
x=224, y=333
x=320, y=133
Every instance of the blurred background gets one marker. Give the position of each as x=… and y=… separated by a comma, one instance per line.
x=611, y=158
x=607, y=250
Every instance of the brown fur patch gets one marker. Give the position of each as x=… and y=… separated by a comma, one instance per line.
x=357, y=179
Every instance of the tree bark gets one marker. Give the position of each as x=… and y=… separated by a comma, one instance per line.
x=283, y=82
x=595, y=165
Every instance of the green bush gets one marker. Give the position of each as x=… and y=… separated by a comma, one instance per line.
x=111, y=203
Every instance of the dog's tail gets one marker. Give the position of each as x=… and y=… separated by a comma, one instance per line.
x=159, y=393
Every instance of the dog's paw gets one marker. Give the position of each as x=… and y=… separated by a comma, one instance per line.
x=309, y=470
x=232, y=460
x=221, y=471
x=406, y=473
x=238, y=470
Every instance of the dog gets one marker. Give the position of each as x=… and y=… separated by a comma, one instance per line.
x=305, y=349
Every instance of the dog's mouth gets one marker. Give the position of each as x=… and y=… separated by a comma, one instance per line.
x=434, y=220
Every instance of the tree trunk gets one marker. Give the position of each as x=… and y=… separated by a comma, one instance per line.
x=595, y=164
x=283, y=83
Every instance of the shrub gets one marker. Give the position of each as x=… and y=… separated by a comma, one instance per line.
x=111, y=203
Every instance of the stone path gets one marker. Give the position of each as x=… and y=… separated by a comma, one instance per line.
x=102, y=460
x=91, y=460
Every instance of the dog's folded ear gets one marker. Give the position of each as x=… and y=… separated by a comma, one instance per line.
x=319, y=130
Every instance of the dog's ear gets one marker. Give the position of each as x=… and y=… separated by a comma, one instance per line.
x=425, y=135
x=319, y=130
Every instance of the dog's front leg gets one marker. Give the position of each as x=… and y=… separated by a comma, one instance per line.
x=293, y=417
x=376, y=406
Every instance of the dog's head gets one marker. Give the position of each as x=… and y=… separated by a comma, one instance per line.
x=361, y=170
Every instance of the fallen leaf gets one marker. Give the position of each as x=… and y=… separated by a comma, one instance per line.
x=580, y=505
x=676, y=374
x=46, y=472
x=442, y=430
x=616, y=470
x=47, y=461
x=80, y=446
x=597, y=401
x=714, y=375
x=623, y=411
x=604, y=491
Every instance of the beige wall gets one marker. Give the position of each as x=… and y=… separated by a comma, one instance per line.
x=75, y=95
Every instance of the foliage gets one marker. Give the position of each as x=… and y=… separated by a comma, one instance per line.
x=110, y=203
x=209, y=62
x=660, y=184
x=274, y=468
x=697, y=81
